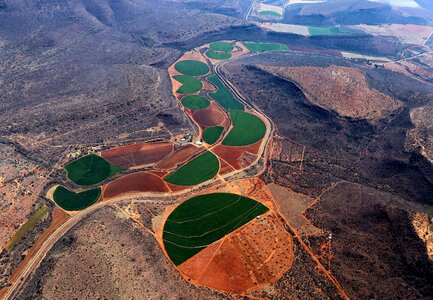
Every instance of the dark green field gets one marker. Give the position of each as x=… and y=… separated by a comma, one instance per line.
x=221, y=46
x=195, y=102
x=69, y=200
x=189, y=84
x=223, y=95
x=202, y=220
x=198, y=170
x=218, y=55
x=260, y=47
x=192, y=67
x=212, y=134
x=247, y=129
x=90, y=169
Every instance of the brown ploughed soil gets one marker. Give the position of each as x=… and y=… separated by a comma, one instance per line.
x=212, y=116
x=135, y=183
x=233, y=154
x=256, y=254
x=138, y=154
x=178, y=157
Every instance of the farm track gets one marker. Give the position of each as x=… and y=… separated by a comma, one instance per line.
x=13, y=290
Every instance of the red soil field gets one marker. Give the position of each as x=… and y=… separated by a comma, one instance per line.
x=135, y=183
x=212, y=116
x=179, y=156
x=233, y=154
x=225, y=168
x=138, y=154
x=257, y=254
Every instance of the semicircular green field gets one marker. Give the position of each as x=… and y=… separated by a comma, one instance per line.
x=202, y=220
x=198, y=170
x=221, y=46
x=90, y=169
x=189, y=84
x=247, y=129
x=69, y=200
x=217, y=55
x=192, y=67
x=195, y=102
x=212, y=134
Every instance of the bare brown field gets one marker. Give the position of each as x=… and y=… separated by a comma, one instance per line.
x=212, y=116
x=178, y=157
x=341, y=89
x=138, y=154
x=233, y=154
x=257, y=254
x=135, y=183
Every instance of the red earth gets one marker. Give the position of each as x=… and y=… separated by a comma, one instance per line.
x=135, y=183
x=138, y=154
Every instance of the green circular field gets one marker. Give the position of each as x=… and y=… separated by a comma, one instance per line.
x=247, y=129
x=198, y=170
x=202, y=220
x=195, y=102
x=90, y=169
x=69, y=200
x=189, y=84
x=221, y=46
x=192, y=67
x=218, y=55
x=212, y=134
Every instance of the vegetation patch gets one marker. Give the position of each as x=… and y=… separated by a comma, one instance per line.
x=221, y=46
x=202, y=220
x=195, y=102
x=26, y=227
x=247, y=129
x=218, y=55
x=198, y=170
x=270, y=13
x=212, y=134
x=69, y=200
x=189, y=84
x=260, y=47
x=91, y=169
x=192, y=67
x=223, y=95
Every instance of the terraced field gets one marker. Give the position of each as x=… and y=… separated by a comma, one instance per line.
x=91, y=169
x=204, y=219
